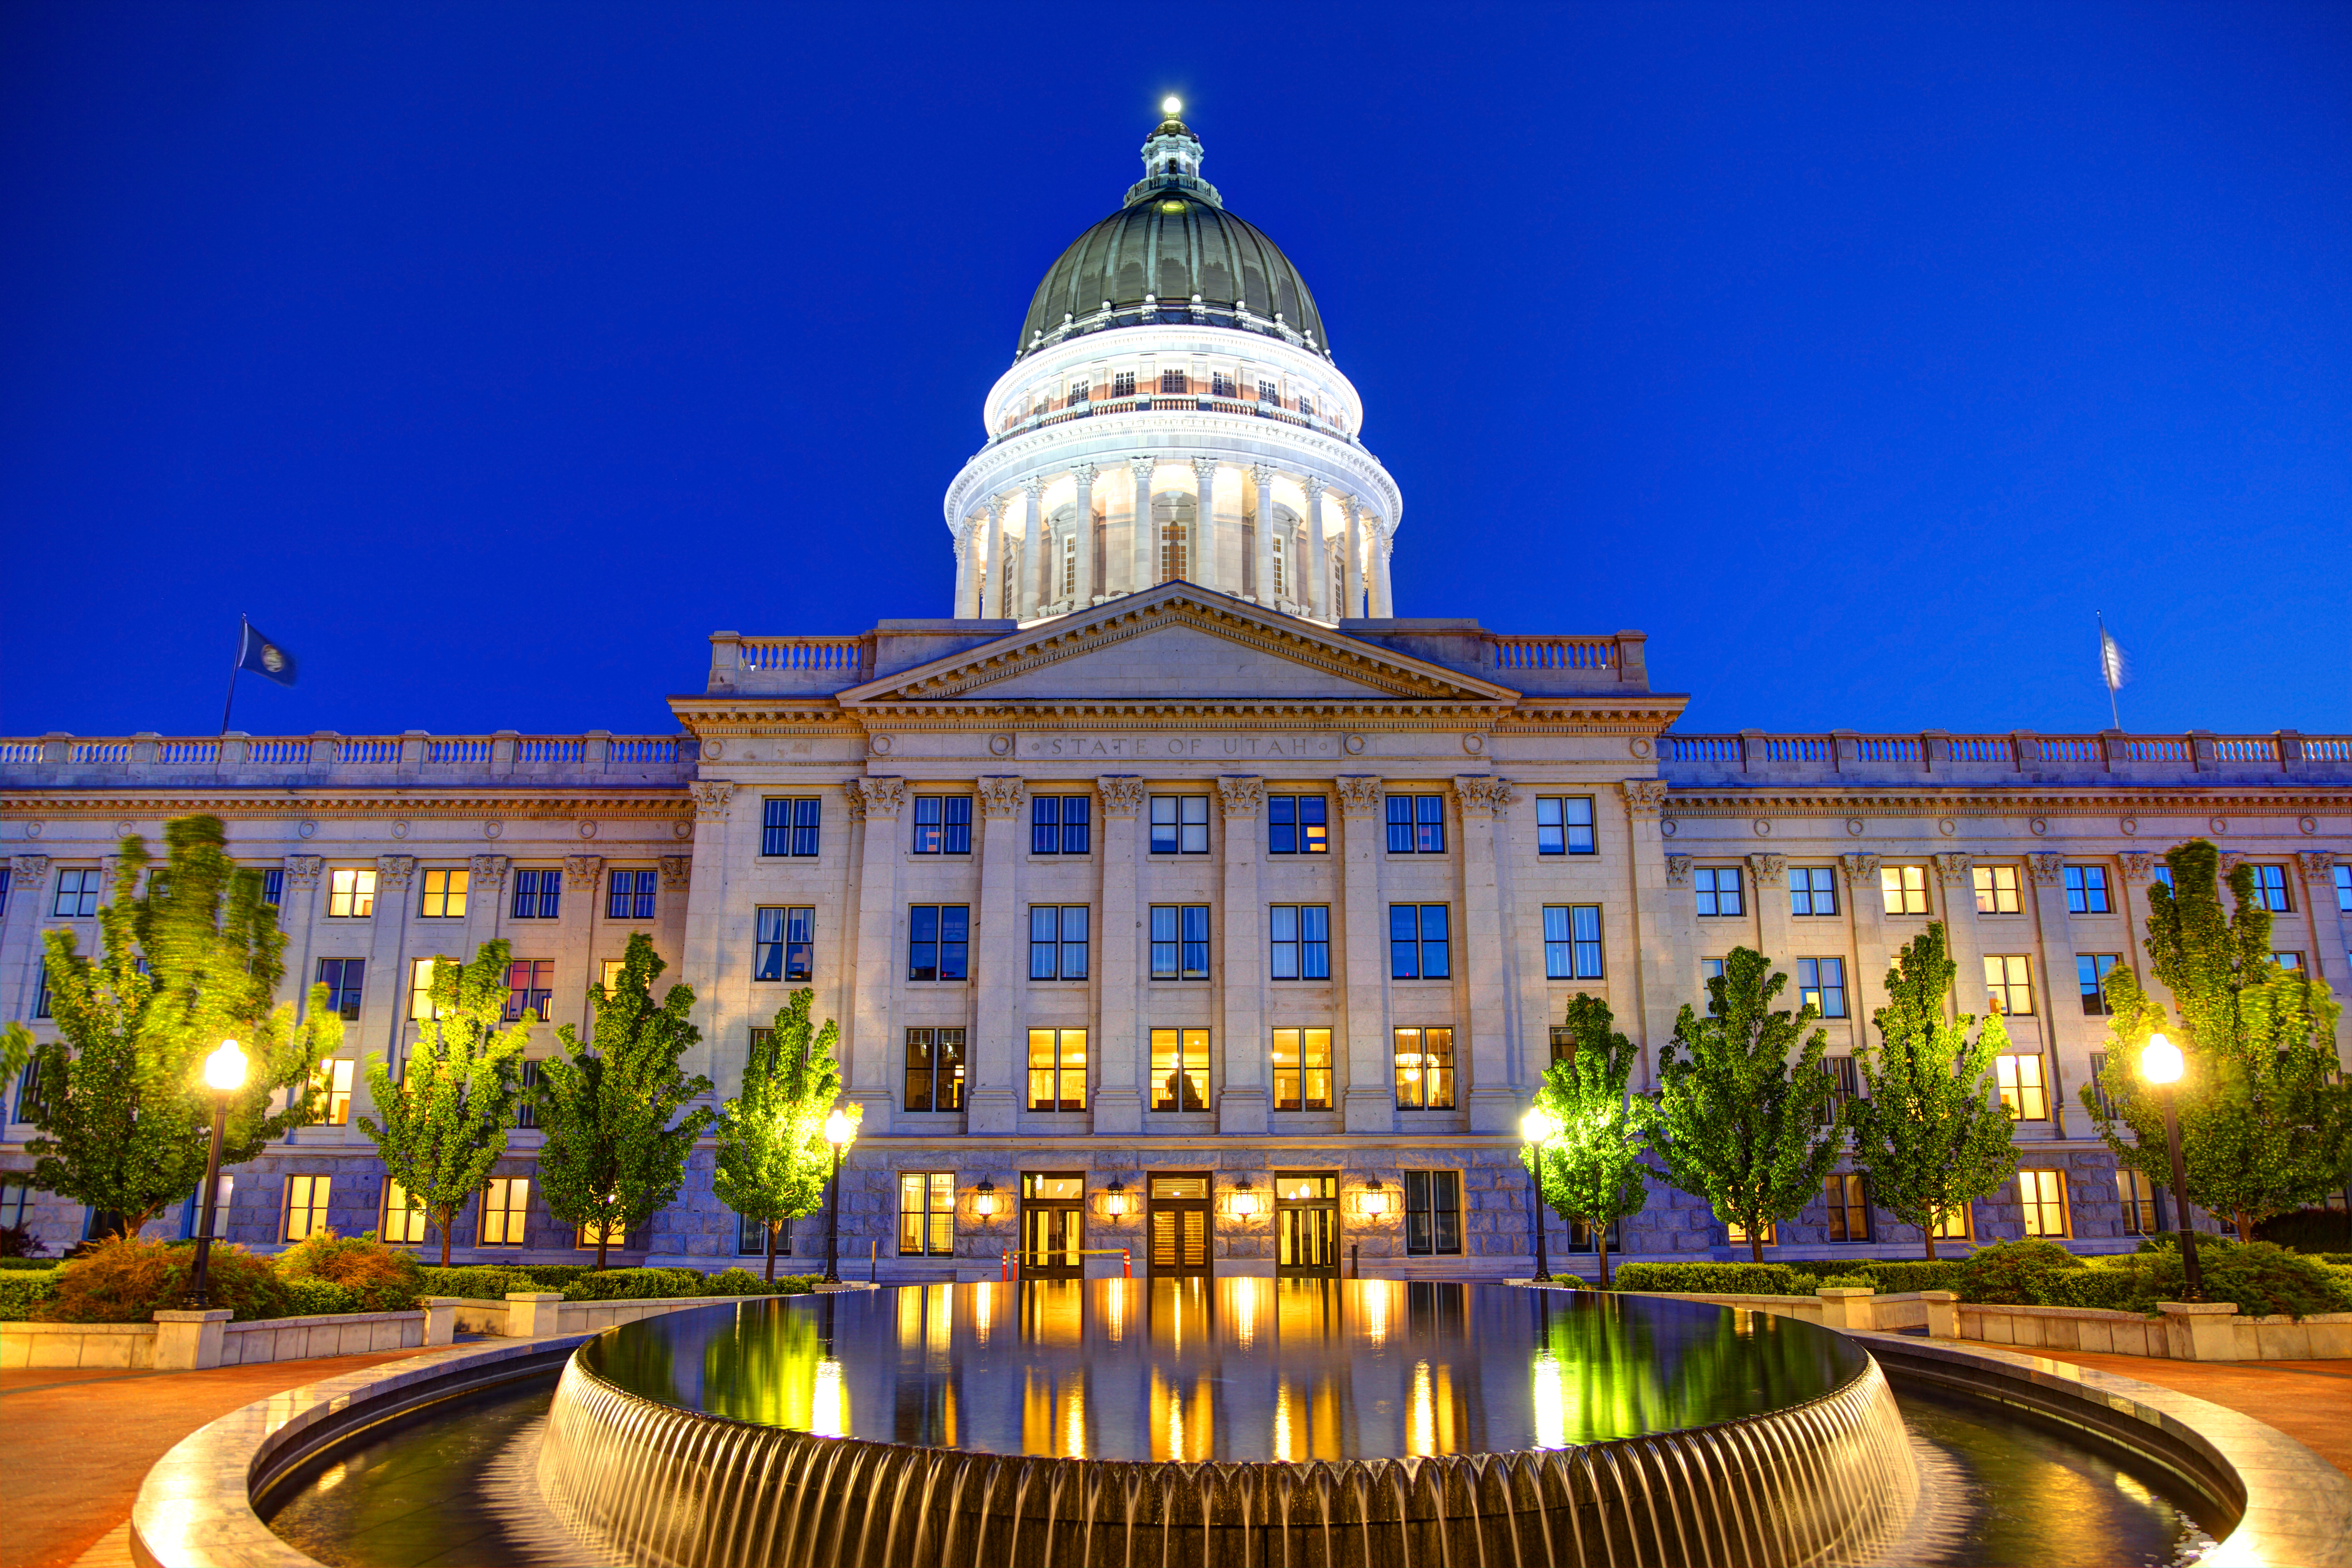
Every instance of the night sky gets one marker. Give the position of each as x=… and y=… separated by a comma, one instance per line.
x=491, y=356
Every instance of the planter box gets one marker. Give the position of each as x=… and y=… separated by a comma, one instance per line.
x=306, y=1338
x=129, y=1345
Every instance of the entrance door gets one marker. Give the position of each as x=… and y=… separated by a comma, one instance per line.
x=1053, y=1225
x=1180, y=1228
x=1306, y=1225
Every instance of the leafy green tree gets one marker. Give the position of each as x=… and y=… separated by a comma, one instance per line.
x=124, y=1116
x=2265, y=1120
x=616, y=1147
x=1591, y=1168
x=1931, y=1130
x=444, y=1122
x=773, y=1161
x=1743, y=1116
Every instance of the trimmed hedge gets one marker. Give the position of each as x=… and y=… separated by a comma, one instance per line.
x=308, y=1295
x=1714, y=1278
x=477, y=1282
x=1917, y=1274
x=23, y=1292
x=634, y=1284
x=28, y=1264
x=2013, y=1273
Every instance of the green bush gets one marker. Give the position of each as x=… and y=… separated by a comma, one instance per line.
x=1845, y=1282
x=743, y=1282
x=127, y=1279
x=28, y=1264
x=555, y=1276
x=475, y=1282
x=2336, y=1259
x=23, y=1292
x=2308, y=1230
x=1894, y=1278
x=2264, y=1277
x=2208, y=1243
x=309, y=1296
x=1714, y=1278
x=2123, y=1286
x=634, y=1285
x=378, y=1279
x=2012, y=1272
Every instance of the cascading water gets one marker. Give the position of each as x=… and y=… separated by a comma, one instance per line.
x=1248, y=1423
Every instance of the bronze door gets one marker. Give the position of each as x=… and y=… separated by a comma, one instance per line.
x=1052, y=1225
x=1178, y=1217
x=1306, y=1225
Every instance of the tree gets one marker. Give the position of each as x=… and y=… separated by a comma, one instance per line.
x=613, y=1157
x=1591, y=1168
x=1930, y=1129
x=773, y=1161
x=2266, y=1121
x=1736, y=1118
x=444, y=1122
x=125, y=1120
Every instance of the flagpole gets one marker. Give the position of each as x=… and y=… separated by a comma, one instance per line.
x=2106, y=675
x=235, y=665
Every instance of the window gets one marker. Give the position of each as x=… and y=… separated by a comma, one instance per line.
x=306, y=1205
x=784, y=943
x=2138, y=1195
x=1179, y=1069
x=1709, y=969
x=2087, y=891
x=1996, y=889
x=530, y=982
x=14, y=1198
x=1058, y=941
x=943, y=825
x=1179, y=825
x=1221, y=386
x=2009, y=984
x=273, y=888
x=1180, y=942
x=1298, y=825
x=1173, y=382
x=1563, y=1043
x=332, y=1079
x=1432, y=1212
x=78, y=894
x=1122, y=383
x=591, y=1236
x=1737, y=1233
x=935, y=1070
x=788, y=825
x=2290, y=962
x=1572, y=942
x=344, y=979
x=1564, y=824
x=445, y=895
x=939, y=941
x=1300, y=939
x=1718, y=891
x=927, y=1214
x=1267, y=392
x=1305, y=404
x=2270, y=890
x=351, y=895
x=2041, y=1196
x=526, y=1101
x=538, y=895
x=2099, y=1083
x=1425, y=1069
x=608, y=973
x=2162, y=872
x=629, y=895
x=1813, y=891
x=751, y=1237
x=1416, y=824
x=506, y=1205
x=421, y=1008
x=2091, y=972
x=404, y=1216
x=28, y=1092
x=42, y=999
x=1952, y=1224
x=1057, y=1069
x=1060, y=823
x=1845, y=1078
x=1302, y=1069
x=1417, y=942
x=1849, y=1200
x=1821, y=985
x=2022, y=1090
x=1904, y=889
x=1080, y=392
x=7, y=875
x=2344, y=887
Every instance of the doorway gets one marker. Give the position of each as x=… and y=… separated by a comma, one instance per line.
x=1306, y=1225
x=1053, y=1225
x=1179, y=1214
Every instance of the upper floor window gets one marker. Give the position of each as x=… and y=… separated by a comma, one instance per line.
x=78, y=894
x=1058, y=941
x=44, y=1002
x=531, y=983
x=2344, y=887
x=538, y=895
x=1813, y=891
x=1122, y=383
x=351, y=895
x=2162, y=872
x=788, y=825
x=1572, y=942
x=1564, y=824
x=1718, y=891
x=1267, y=392
x=1418, y=942
x=1302, y=1069
x=1179, y=1069
x=630, y=896
x=2290, y=962
x=1425, y=1069
x=1996, y=889
x=2087, y=891
x=1821, y=985
x=1221, y=386
x=1060, y=823
x=421, y=1008
x=1080, y=392
x=943, y=825
x=2091, y=972
x=939, y=942
x=1416, y=824
x=1057, y=1069
x=445, y=894
x=935, y=1070
x=1174, y=384
x=7, y=876
x=1180, y=942
x=784, y=943
x=332, y=1080
x=1298, y=825
x=1904, y=889
x=2009, y=983
x=345, y=979
x=1179, y=825
x=2270, y=890
x=1300, y=941
x=273, y=888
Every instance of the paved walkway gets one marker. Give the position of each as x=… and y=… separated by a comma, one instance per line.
x=80, y=1442
x=2310, y=1401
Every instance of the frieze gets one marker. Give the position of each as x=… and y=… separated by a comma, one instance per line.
x=1178, y=747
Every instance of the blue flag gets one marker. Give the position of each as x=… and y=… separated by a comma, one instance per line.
x=264, y=658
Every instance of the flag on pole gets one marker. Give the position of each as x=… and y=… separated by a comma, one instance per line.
x=2111, y=660
x=264, y=658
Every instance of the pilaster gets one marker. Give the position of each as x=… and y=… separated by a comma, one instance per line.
x=20, y=930
x=1658, y=984
x=2047, y=873
x=1262, y=505
x=2331, y=929
x=1769, y=875
x=1480, y=800
x=1370, y=1100
x=999, y=948
x=711, y=927
x=1118, y=1100
x=1242, y=1098
x=1957, y=907
x=1204, y=511
x=485, y=899
x=298, y=917
x=1867, y=908
x=1355, y=579
x=1144, y=571
x=384, y=1007
x=877, y=803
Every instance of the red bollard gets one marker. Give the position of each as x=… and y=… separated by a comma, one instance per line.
x=1126, y=1265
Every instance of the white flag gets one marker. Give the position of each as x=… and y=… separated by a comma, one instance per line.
x=2111, y=660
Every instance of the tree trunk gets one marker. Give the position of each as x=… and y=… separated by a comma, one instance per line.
x=603, y=1236
x=1601, y=1244
x=1927, y=1234
x=2245, y=1223
x=444, y=1218
x=774, y=1226
x=1755, y=1247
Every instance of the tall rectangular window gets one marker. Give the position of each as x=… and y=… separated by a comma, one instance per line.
x=751, y=1237
x=1718, y=891
x=591, y=1236
x=1057, y=1069
x=2041, y=1198
x=1904, y=889
x=630, y=896
x=2087, y=891
x=351, y=894
x=1302, y=1069
x=2091, y=972
x=1180, y=942
x=939, y=941
x=1174, y=382
x=2138, y=1195
x=2270, y=890
x=1058, y=941
x=506, y=1211
x=306, y=1205
x=331, y=1083
x=1821, y=985
x=943, y=825
x=404, y=1216
x=1416, y=824
x=927, y=1214
x=1299, y=941
x=2344, y=887
x=1179, y=825
x=2290, y=962
x=1425, y=1069
x=789, y=823
x=531, y=983
x=527, y=1102
x=78, y=894
x=1298, y=825
x=1060, y=823
x=2022, y=1090
x=1845, y=1078
x=1432, y=1213
x=2009, y=983
x=421, y=1006
x=1996, y=889
x=42, y=1000
x=2099, y=1083
x=445, y=895
x=273, y=888
x=784, y=943
x=7, y=875
x=1564, y=824
x=538, y=895
x=1952, y=1224
x=1122, y=383
x=1572, y=942
x=1813, y=891
x=1849, y=1204
x=935, y=1070
x=345, y=979
x=1179, y=1069
x=1418, y=945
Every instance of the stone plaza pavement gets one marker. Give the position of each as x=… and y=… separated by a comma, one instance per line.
x=2310, y=1401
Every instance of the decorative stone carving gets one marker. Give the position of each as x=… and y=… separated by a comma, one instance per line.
x=2139, y=867
x=2318, y=865
x=882, y=796
x=2047, y=869
x=1770, y=870
x=588, y=826
x=489, y=873
x=676, y=871
x=2230, y=861
x=304, y=870
x=1243, y=795
x=583, y=873
x=711, y=798
x=1861, y=872
x=857, y=798
x=1001, y=794
x=1359, y=795
x=1121, y=793
x=29, y=871
x=1645, y=797
x=1954, y=869
x=393, y=872
x=1483, y=795
x=1678, y=870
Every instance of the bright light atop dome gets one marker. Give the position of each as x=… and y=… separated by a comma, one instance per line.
x=1172, y=105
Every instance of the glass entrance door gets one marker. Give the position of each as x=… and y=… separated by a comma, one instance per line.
x=1053, y=1225
x=1178, y=1215
x=1306, y=1225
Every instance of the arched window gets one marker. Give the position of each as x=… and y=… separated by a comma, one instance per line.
x=1172, y=513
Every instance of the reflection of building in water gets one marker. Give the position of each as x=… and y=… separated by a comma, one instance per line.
x=1183, y=1416
x=1053, y=1412
x=925, y=1396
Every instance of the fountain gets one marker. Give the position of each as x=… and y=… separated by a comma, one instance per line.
x=1291, y=1424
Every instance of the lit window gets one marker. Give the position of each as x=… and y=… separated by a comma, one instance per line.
x=1849, y=1205
x=1060, y=824
x=590, y=1236
x=531, y=983
x=538, y=895
x=1180, y=942
x=1425, y=1069
x=1737, y=1233
x=2041, y=1198
x=345, y=979
x=404, y=1216
x=927, y=1214
x=1813, y=891
x=351, y=895
x=1299, y=938
x=1416, y=824
x=939, y=941
x=306, y=1205
x=943, y=825
x=935, y=1070
x=1432, y=1212
x=1057, y=1069
x=1996, y=889
x=2270, y=890
x=78, y=894
x=1952, y=1224
x=1572, y=942
x=331, y=1080
x=1821, y=985
x=2009, y=984
x=445, y=895
x=421, y=1007
x=788, y=825
x=2091, y=972
x=2087, y=891
x=1058, y=941
x=1718, y=891
x=2022, y=1090
x=1179, y=1069
x=1302, y=1069
x=506, y=1207
x=1564, y=824
x=1298, y=825
x=784, y=943
x=1904, y=889
x=1179, y=825
x=1418, y=948
x=629, y=895
x=608, y=973
x=2137, y=1195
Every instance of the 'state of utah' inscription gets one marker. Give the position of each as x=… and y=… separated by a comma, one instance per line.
x=1114, y=748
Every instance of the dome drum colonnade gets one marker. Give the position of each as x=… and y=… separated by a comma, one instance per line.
x=1140, y=443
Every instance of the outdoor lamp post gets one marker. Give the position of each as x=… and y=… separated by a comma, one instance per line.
x=837, y=1131
x=224, y=1075
x=2161, y=1063
x=1539, y=1127
x=1115, y=1199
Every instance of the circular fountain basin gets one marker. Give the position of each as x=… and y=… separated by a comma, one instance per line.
x=1292, y=1424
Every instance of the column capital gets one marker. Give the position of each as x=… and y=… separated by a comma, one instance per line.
x=1032, y=486
x=1645, y=797
x=31, y=867
x=1143, y=466
x=1482, y=794
x=711, y=799
x=1001, y=795
x=1359, y=793
x=584, y=871
x=487, y=873
x=1860, y=871
x=1243, y=795
x=1678, y=870
x=2137, y=866
x=393, y=871
x=877, y=797
x=1263, y=474
x=2048, y=869
x=2318, y=865
x=1770, y=870
x=1121, y=793
x=1084, y=473
x=301, y=870
x=1953, y=866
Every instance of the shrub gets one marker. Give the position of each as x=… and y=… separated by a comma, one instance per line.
x=380, y=1278
x=17, y=1241
x=127, y=1279
x=312, y=1296
x=743, y=1282
x=22, y=1291
x=2264, y=1277
x=28, y=1263
x=1713, y=1279
x=476, y=1282
x=2011, y=1272
x=2308, y=1230
x=2123, y=1286
x=2208, y=1243
x=1893, y=1277
x=555, y=1276
x=634, y=1285
x=1844, y=1282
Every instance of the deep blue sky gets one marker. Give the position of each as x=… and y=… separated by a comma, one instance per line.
x=491, y=356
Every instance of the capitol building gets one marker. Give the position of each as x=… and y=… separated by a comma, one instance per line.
x=1172, y=893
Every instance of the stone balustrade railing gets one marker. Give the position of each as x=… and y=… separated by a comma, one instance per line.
x=51, y=762
x=2020, y=757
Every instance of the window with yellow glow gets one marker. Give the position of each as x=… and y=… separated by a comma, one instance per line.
x=1179, y=1069
x=1302, y=1069
x=2021, y=1087
x=506, y=1207
x=1057, y=1069
x=1996, y=889
x=2041, y=1198
x=2009, y=984
x=306, y=1205
x=332, y=1100
x=1904, y=889
x=351, y=895
x=927, y=1214
x=445, y=895
x=404, y=1216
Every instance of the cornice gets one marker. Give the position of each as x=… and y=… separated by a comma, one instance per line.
x=1979, y=799
x=275, y=801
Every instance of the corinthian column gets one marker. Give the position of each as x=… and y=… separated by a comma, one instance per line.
x=1119, y=1100
x=1383, y=598
x=963, y=590
x=998, y=948
x=992, y=564
x=1242, y=1100
x=1262, y=479
x=1312, y=565
x=1032, y=546
x=1144, y=569
x=1355, y=604
x=1087, y=587
x=1204, y=509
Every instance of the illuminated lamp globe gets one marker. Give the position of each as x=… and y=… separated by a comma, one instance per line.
x=1115, y=1199
x=837, y=1128
x=225, y=1069
x=1172, y=105
x=1244, y=1200
x=1539, y=1126
x=1375, y=1200
x=2160, y=1061
x=983, y=1199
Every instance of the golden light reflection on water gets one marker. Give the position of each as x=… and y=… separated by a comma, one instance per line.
x=1115, y=1315
x=1246, y=1308
x=1551, y=1402
x=1421, y=1425
x=1376, y=1316
x=1183, y=1424
x=829, y=1402
x=1054, y=1414
x=1283, y=1448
